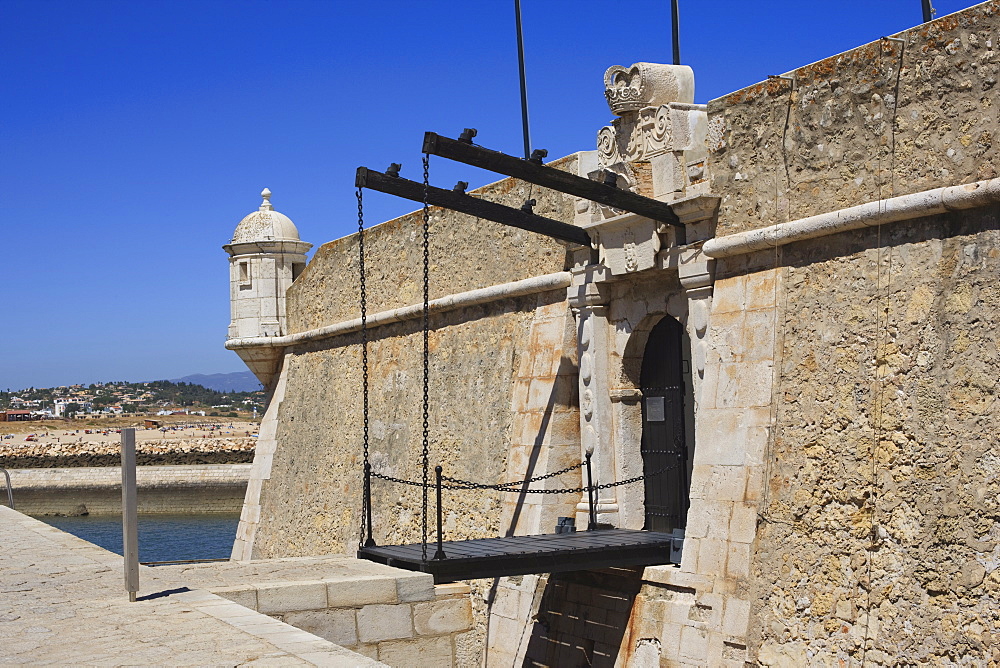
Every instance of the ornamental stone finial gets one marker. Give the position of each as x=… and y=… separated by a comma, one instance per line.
x=629, y=89
x=266, y=204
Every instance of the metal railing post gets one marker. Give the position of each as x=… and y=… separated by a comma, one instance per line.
x=440, y=547
x=369, y=541
x=592, y=520
x=130, y=515
x=10, y=489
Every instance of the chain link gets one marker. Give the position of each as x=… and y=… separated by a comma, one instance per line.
x=512, y=486
x=426, y=323
x=366, y=496
x=466, y=484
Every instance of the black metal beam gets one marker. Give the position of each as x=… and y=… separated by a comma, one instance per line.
x=549, y=177
x=480, y=208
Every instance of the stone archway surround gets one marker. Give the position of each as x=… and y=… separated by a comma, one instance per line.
x=698, y=612
x=632, y=320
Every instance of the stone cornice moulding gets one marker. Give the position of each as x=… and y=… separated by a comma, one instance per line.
x=527, y=286
x=627, y=243
x=894, y=209
x=630, y=243
x=264, y=246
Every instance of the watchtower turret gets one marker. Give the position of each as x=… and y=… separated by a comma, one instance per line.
x=265, y=256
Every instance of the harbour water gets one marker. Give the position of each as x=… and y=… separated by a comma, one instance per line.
x=161, y=537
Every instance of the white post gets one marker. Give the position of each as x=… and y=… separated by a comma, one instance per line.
x=595, y=401
x=130, y=515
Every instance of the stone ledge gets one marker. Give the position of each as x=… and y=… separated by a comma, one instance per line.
x=452, y=589
x=675, y=577
x=362, y=591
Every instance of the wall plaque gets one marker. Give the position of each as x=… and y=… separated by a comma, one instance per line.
x=654, y=409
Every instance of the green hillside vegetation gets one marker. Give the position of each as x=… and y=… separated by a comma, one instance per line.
x=132, y=397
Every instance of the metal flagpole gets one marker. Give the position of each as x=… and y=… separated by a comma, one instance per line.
x=928, y=10
x=524, y=86
x=675, y=27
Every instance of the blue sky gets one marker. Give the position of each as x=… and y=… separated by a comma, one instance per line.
x=135, y=135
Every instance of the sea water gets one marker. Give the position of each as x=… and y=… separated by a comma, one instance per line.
x=161, y=537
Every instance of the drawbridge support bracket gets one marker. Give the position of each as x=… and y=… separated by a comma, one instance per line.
x=480, y=208
x=533, y=171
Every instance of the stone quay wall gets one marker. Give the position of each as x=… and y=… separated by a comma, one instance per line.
x=398, y=617
x=160, y=489
x=401, y=621
x=159, y=452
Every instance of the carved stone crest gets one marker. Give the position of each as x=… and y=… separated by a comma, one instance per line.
x=646, y=135
x=631, y=259
x=629, y=89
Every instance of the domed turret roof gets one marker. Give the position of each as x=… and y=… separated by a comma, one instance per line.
x=265, y=224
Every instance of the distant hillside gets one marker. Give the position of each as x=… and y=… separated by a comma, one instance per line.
x=123, y=397
x=240, y=381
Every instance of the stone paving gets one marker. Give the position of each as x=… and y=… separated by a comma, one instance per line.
x=63, y=602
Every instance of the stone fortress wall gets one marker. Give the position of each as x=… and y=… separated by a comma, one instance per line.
x=878, y=524
x=503, y=390
x=472, y=354
x=842, y=494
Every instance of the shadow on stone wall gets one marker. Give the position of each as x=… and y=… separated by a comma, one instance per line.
x=583, y=617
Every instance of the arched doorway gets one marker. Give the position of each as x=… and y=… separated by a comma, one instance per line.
x=664, y=380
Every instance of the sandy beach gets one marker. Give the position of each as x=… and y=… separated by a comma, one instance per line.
x=42, y=433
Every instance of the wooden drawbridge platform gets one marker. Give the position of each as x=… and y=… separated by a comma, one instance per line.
x=523, y=555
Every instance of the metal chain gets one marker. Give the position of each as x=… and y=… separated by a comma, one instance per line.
x=426, y=434
x=366, y=493
x=517, y=483
x=507, y=487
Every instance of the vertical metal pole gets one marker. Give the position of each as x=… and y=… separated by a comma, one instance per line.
x=10, y=490
x=130, y=515
x=369, y=541
x=592, y=519
x=524, y=85
x=440, y=551
x=928, y=10
x=676, y=29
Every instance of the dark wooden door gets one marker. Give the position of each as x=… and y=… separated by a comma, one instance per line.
x=664, y=445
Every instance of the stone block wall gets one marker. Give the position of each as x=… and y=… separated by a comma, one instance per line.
x=545, y=433
x=402, y=621
x=869, y=123
x=398, y=617
x=313, y=497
